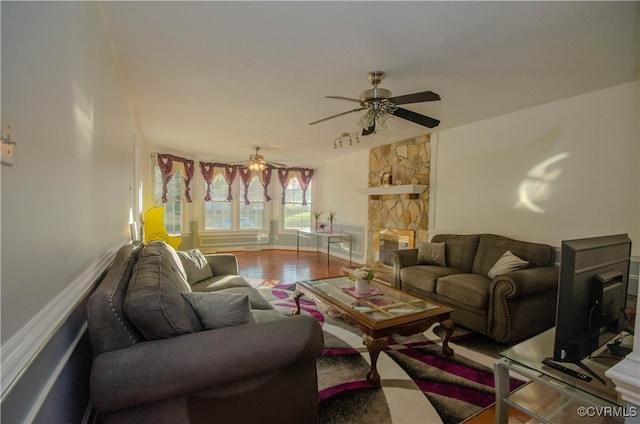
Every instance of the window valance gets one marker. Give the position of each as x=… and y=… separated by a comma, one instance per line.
x=169, y=165
x=229, y=172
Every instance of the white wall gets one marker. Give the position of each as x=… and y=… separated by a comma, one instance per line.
x=567, y=169
x=69, y=196
x=336, y=184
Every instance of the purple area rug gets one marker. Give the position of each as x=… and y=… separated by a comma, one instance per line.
x=418, y=384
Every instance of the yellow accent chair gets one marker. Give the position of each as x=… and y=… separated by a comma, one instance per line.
x=154, y=228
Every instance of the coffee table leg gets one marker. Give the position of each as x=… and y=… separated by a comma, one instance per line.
x=374, y=346
x=448, y=326
x=296, y=298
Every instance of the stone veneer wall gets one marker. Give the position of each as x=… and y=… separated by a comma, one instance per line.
x=407, y=161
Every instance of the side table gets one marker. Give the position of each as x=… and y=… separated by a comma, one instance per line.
x=570, y=399
x=330, y=237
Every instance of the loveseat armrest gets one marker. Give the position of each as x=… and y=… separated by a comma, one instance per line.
x=526, y=282
x=223, y=264
x=155, y=370
x=522, y=303
x=400, y=259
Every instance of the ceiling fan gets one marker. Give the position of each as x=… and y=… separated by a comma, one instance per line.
x=256, y=162
x=380, y=106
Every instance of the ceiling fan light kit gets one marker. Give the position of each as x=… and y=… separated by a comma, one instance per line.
x=381, y=106
x=257, y=162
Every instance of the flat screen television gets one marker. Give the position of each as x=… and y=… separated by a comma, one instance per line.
x=592, y=293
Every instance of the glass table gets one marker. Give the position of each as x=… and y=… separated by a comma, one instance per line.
x=378, y=314
x=331, y=238
x=553, y=396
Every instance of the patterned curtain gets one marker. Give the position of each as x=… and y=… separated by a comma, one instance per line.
x=167, y=168
x=265, y=181
x=230, y=172
x=305, y=178
x=283, y=176
x=206, y=169
x=165, y=162
x=188, y=171
x=245, y=176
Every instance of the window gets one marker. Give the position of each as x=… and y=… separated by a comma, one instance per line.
x=217, y=212
x=173, y=206
x=252, y=215
x=296, y=215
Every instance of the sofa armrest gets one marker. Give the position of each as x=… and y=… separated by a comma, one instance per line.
x=223, y=264
x=526, y=282
x=519, y=296
x=400, y=259
x=154, y=370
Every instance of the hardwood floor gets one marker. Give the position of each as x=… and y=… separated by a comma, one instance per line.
x=287, y=267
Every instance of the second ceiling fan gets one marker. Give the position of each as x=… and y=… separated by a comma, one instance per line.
x=380, y=105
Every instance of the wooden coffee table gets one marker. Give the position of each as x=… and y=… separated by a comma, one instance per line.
x=383, y=312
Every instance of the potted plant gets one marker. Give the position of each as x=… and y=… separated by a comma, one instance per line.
x=362, y=276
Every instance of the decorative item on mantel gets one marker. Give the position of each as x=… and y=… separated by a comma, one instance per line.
x=362, y=276
x=317, y=216
x=332, y=217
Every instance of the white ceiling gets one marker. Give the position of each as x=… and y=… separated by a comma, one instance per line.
x=216, y=79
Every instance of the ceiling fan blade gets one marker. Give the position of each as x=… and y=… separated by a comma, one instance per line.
x=349, y=99
x=425, y=96
x=335, y=116
x=276, y=164
x=414, y=117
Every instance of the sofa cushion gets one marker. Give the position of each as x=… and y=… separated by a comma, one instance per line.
x=492, y=247
x=218, y=310
x=424, y=277
x=459, y=249
x=431, y=254
x=195, y=265
x=153, y=302
x=507, y=263
x=468, y=289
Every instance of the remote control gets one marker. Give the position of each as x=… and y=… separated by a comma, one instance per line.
x=566, y=370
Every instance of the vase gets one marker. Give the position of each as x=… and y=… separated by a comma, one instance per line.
x=362, y=286
x=331, y=227
x=316, y=225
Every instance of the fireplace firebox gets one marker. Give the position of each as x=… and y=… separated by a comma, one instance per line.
x=390, y=239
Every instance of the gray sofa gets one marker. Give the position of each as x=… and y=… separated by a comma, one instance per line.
x=158, y=359
x=458, y=271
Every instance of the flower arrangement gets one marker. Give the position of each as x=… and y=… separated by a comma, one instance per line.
x=317, y=216
x=332, y=217
x=361, y=274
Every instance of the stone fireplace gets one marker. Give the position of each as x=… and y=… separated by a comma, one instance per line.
x=408, y=162
x=390, y=239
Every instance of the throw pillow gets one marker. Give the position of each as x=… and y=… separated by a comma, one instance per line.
x=195, y=265
x=217, y=310
x=153, y=302
x=507, y=263
x=431, y=254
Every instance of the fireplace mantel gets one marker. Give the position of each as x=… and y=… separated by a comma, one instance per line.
x=411, y=191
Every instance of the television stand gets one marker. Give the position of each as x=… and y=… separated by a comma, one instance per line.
x=565, y=392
